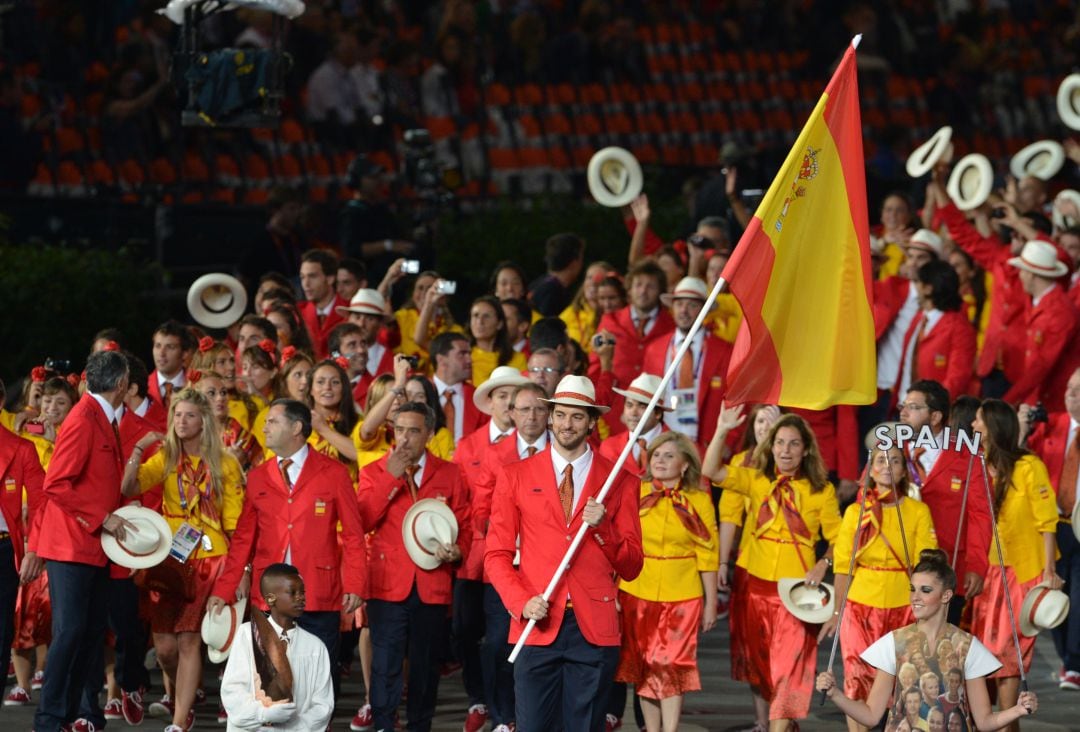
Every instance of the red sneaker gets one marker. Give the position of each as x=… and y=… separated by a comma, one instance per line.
x=612, y=723
x=222, y=715
x=37, y=680
x=163, y=708
x=17, y=697
x=83, y=725
x=113, y=710
x=363, y=721
x=132, y=706
x=476, y=718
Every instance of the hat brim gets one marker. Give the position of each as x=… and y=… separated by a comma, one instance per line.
x=216, y=300
x=1061, y=221
x=235, y=615
x=570, y=402
x=1067, y=110
x=667, y=299
x=419, y=554
x=984, y=184
x=640, y=398
x=1060, y=268
x=345, y=310
x=1050, y=155
x=814, y=616
x=1040, y=590
x=927, y=155
x=480, y=396
x=118, y=555
x=632, y=182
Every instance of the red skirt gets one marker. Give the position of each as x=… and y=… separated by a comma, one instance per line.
x=990, y=620
x=33, y=615
x=862, y=625
x=659, y=646
x=170, y=614
x=782, y=651
x=740, y=660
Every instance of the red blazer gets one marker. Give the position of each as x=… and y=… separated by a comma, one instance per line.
x=527, y=503
x=890, y=294
x=629, y=349
x=384, y=500
x=946, y=354
x=1048, y=440
x=943, y=492
x=156, y=399
x=305, y=522
x=155, y=415
x=83, y=487
x=711, y=387
x=360, y=388
x=1050, y=354
x=613, y=446
x=473, y=419
x=837, y=432
x=386, y=363
x=320, y=334
x=19, y=471
x=470, y=453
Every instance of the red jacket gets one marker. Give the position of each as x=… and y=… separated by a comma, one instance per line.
x=384, y=500
x=711, y=387
x=155, y=415
x=613, y=446
x=320, y=334
x=629, y=349
x=305, y=522
x=837, y=432
x=1050, y=354
x=360, y=388
x=473, y=419
x=943, y=492
x=19, y=471
x=1000, y=349
x=470, y=453
x=527, y=503
x=153, y=390
x=946, y=354
x=1048, y=440
x=890, y=295
x=83, y=487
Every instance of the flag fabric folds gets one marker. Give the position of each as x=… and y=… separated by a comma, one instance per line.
x=801, y=271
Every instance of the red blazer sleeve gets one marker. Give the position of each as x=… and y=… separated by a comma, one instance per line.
x=501, y=546
x=459, y=504
x=619, y=533
x=985, y=250
x=977, y=527
x=961, y=364
x=377, y=490
x=241, y=552
x=73, y=451
x=353, y=550
x=653, y=243
x=847, y=443
x=33, y=482
x=1054, y=334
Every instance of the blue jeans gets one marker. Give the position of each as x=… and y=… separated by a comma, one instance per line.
x=1067, y=635
x=79, y=597
x=419, y=629
x=564, y=685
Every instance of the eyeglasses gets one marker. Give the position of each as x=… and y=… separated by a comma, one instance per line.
x=911, y=407
x=544, y=370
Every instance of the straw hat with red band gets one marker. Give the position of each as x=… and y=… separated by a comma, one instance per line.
x=689, y=288
x=219, y=630
x=926, y=240
x=576, y=391
x=364, y=302
x=642, y=389
x=809, y=604
x=428, y=524
x=1040, y=258
x=1043, y=609
x=501, y=376
x=147, y=547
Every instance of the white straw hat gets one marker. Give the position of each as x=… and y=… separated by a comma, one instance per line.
x=366, y=301
x=1042, y=159
x=147, y=547
x=689, y=288
x=927, y=155
x=1068, y=101
x=808, y=604
x=1043, y=609
x=1040, y=258
x=576, y=391
x=614, y=177
x=927, y=241
x=971, y=181
x=216, y=300
x=1061, y=219
x=641, y=389
x=219, y=630
x=501, y=376
x=428, y=524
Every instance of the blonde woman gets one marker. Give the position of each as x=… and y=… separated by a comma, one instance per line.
x=202, y=489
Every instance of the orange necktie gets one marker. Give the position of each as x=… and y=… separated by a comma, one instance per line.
x=566, y=492
x=168, y=390
x=284, y=466
x=686, y=370
x=532, y=450
x=641, y=456
x=450, y=412
x=915, y=351
x=1066, y=496
x=410, y=480
x=500, y=438
x=639, y=326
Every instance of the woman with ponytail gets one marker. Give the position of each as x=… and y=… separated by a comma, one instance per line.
x=933, y=583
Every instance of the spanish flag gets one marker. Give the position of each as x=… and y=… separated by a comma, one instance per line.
x=801, y=271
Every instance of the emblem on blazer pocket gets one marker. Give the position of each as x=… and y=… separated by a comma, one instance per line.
x=939, y=360
x=320, y=507
x=956, y=484
x=9, y=484
x=716, y=382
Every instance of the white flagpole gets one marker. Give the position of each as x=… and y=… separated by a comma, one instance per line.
x=564, y=564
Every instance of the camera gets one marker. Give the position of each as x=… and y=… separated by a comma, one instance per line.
x=599, y=340
x=410, y=266
x=414, y=361
x=59, y=365
x=34, y=428
x=445, y=287
x=699, y=240
x=1037, y=414
x=998, y=213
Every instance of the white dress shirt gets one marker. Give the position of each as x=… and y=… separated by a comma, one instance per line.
x=581, y=464
x=313, y=690
x=648, y=437
x=540, y=444
x=143, y=408
x=649, y=318
x=298, y=459
x=891, y=345
x=494, y=432
x=932, y=317
x=111, y=414
x=374, y=357
x=459, y=404
x=178, y=380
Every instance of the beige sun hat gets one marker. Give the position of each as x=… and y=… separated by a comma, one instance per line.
x=937, y=149
x=219, y=630
x=809, y=604
x=1039, y=258
x=971, y=181
x=501, y=376
x=147, y=547
x=1043, y=609
x=614, y=177
x=642, y=389
x=428, y=524
x=216, y=300
x=365, y=301
x=576, y=391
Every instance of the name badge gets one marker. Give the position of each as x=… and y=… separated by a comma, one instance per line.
x=320, y=507
x=186, y=538
x=683, y=415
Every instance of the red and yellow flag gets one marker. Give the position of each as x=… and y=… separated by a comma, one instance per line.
x=801, y=271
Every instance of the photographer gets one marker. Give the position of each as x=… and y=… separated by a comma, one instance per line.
x=369, y=231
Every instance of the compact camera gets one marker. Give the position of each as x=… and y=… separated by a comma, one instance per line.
x=410, y=266
x=445, y=287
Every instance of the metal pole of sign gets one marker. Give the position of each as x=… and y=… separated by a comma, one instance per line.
x=963, y=508
x=564, y=563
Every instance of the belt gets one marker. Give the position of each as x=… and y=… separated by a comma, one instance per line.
x=569, y=605
x=881, y=569
x=682, y=556
x=5, y=536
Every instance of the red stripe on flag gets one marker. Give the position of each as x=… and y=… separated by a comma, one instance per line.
x=758, y=367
